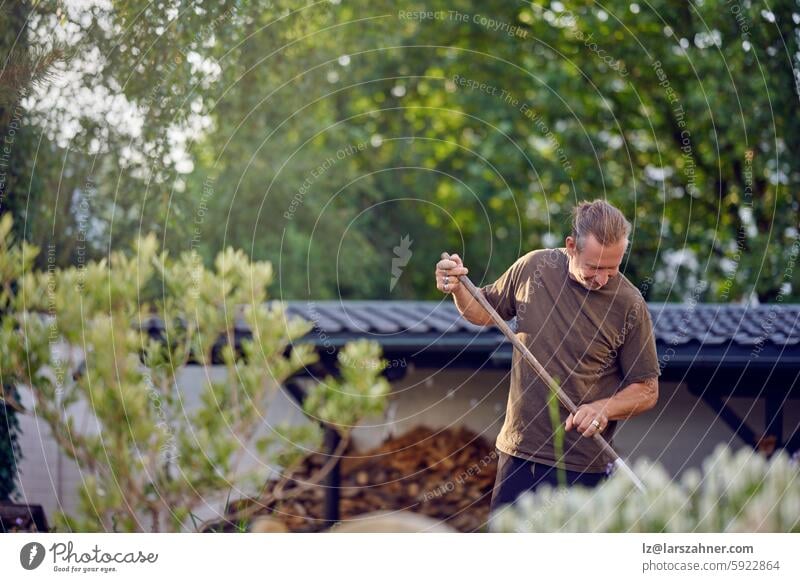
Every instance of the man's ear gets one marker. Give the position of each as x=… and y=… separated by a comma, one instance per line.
x=569, y=243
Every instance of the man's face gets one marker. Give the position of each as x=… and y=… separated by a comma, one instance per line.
x=595, y=264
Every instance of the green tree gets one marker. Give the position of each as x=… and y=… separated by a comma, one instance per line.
x=681, y=113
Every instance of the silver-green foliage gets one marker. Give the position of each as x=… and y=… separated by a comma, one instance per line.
x=734, y=492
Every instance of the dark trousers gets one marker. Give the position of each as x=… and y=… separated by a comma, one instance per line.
x=516, y=476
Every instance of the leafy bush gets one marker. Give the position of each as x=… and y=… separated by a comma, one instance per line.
x=735, y=492
x=78, y=337
x=10, y=453
x=14, y=260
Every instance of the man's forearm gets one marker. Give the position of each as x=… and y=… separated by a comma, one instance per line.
x=634, y=399
x=469, y=307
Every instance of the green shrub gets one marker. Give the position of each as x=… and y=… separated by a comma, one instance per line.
x=79, y=336
x=14, y=261
x=734, y=492
x=10, y=453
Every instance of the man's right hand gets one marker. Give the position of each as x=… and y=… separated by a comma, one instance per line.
x=449, y=270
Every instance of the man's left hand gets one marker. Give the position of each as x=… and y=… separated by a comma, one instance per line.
x=583, y=417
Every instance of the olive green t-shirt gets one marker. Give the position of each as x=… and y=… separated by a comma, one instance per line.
x=593, y=342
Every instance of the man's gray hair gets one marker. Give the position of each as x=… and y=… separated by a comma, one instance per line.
x=601, y=219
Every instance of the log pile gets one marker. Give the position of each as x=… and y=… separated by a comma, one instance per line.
x=446, y=474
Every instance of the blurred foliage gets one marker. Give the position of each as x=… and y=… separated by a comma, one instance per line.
x=78, y=339
x=10, y=451
x=735, y=492
x=14, y=260
x=319, y=136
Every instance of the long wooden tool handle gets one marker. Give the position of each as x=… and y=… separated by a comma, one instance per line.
x=531, y=359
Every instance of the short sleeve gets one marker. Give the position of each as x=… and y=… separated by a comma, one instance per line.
x=638, y=358
x=502, y=294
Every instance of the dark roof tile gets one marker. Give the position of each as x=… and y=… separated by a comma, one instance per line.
x=674, y=324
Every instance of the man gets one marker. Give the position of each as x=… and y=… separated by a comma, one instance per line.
x=589, y=326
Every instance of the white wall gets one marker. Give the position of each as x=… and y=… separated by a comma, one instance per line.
x=679, y=432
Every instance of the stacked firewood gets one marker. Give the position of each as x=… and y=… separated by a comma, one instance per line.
x=446, y=474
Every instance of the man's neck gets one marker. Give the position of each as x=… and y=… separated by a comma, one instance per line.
x=569, y=269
